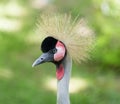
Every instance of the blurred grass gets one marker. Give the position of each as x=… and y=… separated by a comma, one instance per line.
x=21, y=84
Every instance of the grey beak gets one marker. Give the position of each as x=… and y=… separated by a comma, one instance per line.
x=45, y=57
x=37, y=62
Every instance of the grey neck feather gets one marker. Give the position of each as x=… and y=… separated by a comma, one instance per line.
x=63, y=84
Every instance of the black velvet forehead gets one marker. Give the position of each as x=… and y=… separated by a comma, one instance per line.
x=48, y=44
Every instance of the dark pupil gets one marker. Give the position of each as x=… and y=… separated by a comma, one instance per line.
x=54, y=50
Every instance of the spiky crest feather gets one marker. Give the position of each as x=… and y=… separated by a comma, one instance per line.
x=75, y=34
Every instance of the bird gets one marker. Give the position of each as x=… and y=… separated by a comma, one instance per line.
x=64, y=39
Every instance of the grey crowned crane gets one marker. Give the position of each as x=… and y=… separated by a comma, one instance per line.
x=64, y=40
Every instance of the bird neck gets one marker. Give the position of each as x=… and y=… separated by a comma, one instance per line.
x=63, y=84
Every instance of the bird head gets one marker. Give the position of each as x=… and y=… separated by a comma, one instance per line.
x=76, y=40
x=53, y=51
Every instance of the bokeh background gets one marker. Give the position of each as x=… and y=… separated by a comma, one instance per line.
x=96, y=81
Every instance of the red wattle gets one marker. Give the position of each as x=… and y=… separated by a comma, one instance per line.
x=60, y=72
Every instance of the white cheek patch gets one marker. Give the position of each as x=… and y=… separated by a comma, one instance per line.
x=60, y=53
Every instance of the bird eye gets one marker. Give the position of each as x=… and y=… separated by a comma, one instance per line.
x=54, y=50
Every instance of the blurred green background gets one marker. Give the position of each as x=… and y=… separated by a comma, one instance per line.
x=96, y=81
